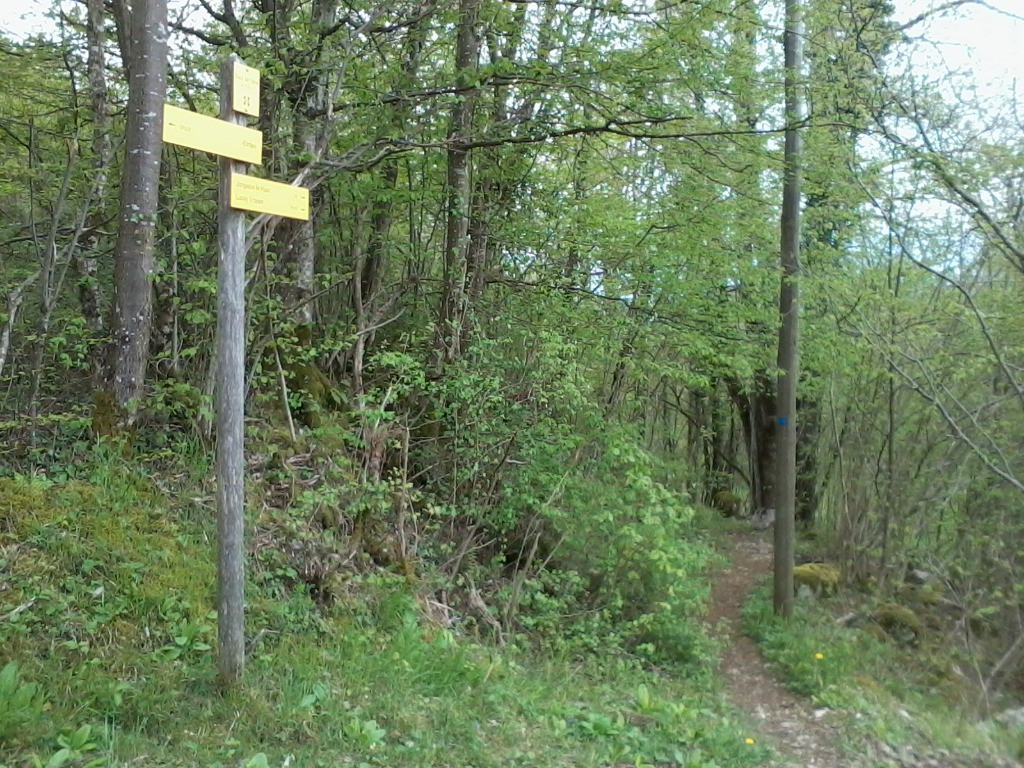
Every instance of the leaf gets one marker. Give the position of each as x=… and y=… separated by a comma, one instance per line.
x=643, y=697
x=80, y=738
x=8, y=678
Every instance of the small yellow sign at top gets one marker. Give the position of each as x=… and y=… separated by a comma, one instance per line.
x=208, y=134
x=264, y=196
x=245, y=90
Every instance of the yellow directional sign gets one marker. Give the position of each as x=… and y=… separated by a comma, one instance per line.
x=208, y=134
x=273, y=197
x=245, y=90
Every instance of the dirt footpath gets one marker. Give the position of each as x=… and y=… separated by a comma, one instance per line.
x=803, y=736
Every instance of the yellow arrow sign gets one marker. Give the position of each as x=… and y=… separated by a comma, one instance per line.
x=251, y=194
x=208, y=134
x=245, y=90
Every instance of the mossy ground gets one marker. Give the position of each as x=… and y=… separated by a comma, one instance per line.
x=107, y=590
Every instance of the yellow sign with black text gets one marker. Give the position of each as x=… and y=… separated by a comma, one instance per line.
x=245, y=90
x=263, y=196
x=208, y=134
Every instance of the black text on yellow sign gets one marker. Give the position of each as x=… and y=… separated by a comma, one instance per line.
x=245, y=89
x=251, y=194
x=208, y=134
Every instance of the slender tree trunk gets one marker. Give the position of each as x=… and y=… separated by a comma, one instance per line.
x=717, y=451
x=14, y=301
x=308, y=137
x=134, y=259
x=51, y=277
x=368, y=303
x=789, y=303
x=453, y=308
x=765, y=448
x=757, y=416
x=84, y=262
x=808, y=490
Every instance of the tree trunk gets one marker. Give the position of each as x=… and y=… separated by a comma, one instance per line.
x=89, y=294
x=453, y=310
x=134, y=259
x=718, y=450
x=765, y=444
x=757, y=414
x=808, y=490
x=313, y=106
x=789, y=303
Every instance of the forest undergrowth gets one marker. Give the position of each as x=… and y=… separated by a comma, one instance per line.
x=832, y=687
x=107, y=631
x=107, y=583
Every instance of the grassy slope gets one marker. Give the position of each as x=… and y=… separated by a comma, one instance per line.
x=106, y=592
x=897, y=694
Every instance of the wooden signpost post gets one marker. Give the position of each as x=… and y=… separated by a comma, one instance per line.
x=236, y=145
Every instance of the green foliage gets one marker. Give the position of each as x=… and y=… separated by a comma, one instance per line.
x=610, y=288
x=816, y=660
x=892, y=689
x=371, y=679
x=75, y=748
x=22, y=705
x=632, y=541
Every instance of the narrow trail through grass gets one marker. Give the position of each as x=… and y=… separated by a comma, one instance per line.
x=802, y=735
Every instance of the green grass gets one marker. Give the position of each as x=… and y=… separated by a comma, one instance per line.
x=895, y=694
x=106, y=621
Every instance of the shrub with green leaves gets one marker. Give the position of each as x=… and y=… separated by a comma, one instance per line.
x=632, y=542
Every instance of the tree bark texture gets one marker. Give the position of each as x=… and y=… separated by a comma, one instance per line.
x=134, y=259
x=314, y=102
x=789, y=303
x=718, y=447
x=808, y=483
x=757, y=415
x=450, y=327
x=89, y=293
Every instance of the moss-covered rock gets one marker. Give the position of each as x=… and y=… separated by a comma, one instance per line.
x=899, y=622
x=928, y=596
x=728, y=503
x=819, y=578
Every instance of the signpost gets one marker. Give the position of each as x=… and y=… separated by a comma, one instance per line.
x=236, y=145
x=208, y=134
x=271, y=197
x=245, y=90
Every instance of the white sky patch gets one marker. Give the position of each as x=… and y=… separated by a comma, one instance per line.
x=984, y=42
x=28, y=20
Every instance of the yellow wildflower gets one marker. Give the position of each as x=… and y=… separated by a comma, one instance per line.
x=750, y=741
x=819, y=656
